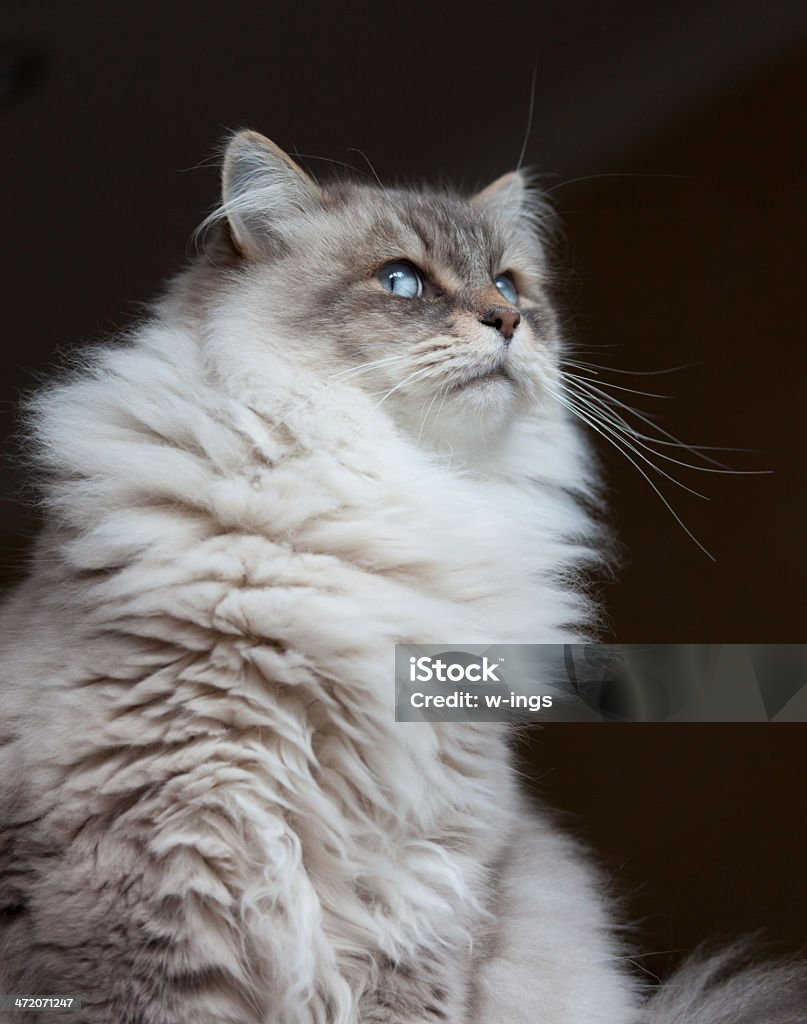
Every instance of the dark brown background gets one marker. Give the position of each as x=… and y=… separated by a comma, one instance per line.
x=674, y=143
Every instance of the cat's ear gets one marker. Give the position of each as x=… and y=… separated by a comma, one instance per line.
x=506, y=197
x=262, y=190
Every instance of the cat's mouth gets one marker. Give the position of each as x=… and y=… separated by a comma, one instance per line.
x=485, y=378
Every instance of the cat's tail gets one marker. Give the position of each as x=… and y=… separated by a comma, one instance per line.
x=724, y=988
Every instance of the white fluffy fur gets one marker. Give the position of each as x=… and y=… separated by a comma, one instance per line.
x=233, y=549
x=212, y=817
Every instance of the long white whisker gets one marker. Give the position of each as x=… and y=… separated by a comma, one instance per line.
x=364, y=367
x=586, y=419
x=620, y=435
x=425, y=418
x=613, y=401
x=620, y=423
x=696, y=449
x=595, y=367
x=353, y=371
x=415, y=373
x=616, y=387
x=442, y=402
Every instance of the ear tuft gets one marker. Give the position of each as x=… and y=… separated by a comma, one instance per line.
x=506, y=197
x=262, y=189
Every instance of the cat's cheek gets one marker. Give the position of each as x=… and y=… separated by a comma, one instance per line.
x=542, y=323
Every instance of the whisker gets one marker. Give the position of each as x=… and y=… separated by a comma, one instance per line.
x=631, y=373
x=366, y=158
x=442, y=403
x=617, y=387
x=425, y=418
x=613, y=174
x=621, y=424
x=530, y=112
x=337, y=378
x=392, y=390
x=330, y=160
x=695, y=449
x=594, y=426
x=364, y=367
x=620, y=435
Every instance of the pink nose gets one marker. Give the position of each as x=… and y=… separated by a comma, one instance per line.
x=505, y=319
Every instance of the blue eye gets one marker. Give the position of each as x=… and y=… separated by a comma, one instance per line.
x=401, y=279
x=505, y=285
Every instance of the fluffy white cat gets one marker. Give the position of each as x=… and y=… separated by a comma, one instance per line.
x=340, y=429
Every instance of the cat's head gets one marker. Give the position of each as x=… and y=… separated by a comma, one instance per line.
x=433, y=302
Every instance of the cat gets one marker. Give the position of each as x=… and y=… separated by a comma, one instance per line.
x=340, y=428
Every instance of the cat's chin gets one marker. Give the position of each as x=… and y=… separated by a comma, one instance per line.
x=487, y=396
x=477, y=413
x=484, y=384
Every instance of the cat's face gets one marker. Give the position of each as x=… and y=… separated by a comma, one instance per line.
x=434, y=304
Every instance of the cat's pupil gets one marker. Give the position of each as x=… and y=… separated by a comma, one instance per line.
x=401, y=279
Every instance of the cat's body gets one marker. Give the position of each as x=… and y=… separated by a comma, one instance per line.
x=209, y=814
